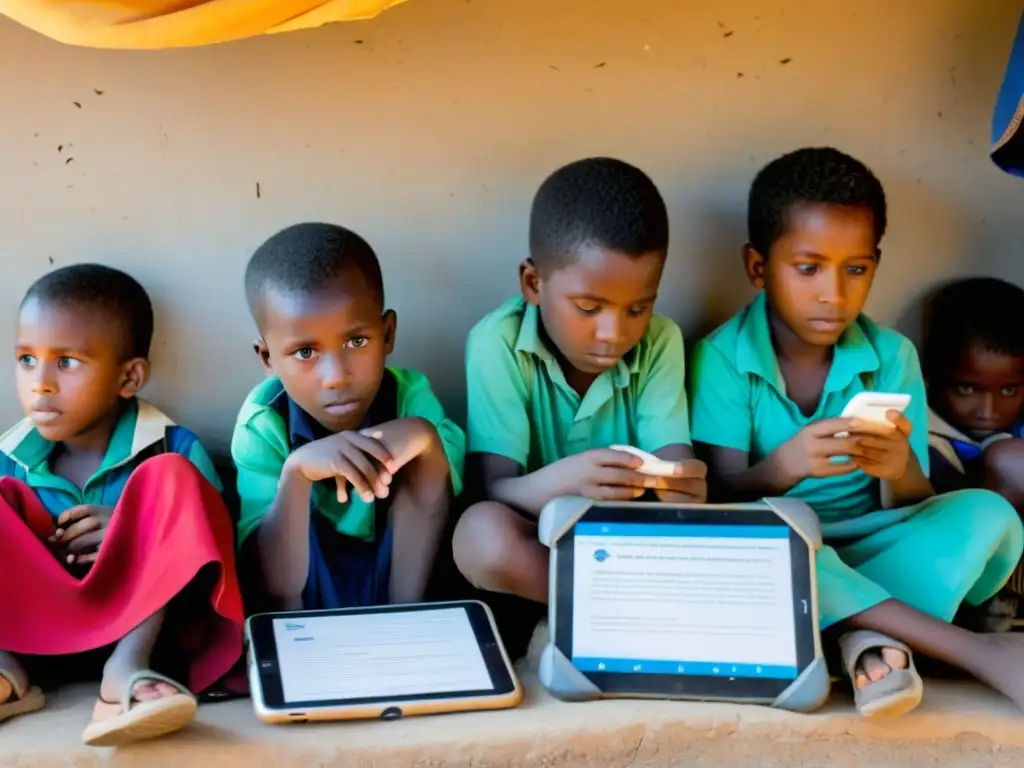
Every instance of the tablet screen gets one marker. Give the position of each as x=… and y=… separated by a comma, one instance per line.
x=683, y=599
x=378, y=655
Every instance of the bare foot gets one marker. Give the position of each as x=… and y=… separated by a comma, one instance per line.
x=17, y=697
x=112, y=689
x=872, y=666
x=155, y=708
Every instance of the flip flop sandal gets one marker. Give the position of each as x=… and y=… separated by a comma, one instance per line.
x=16, y=696
x=894, y=695
x=143, y=719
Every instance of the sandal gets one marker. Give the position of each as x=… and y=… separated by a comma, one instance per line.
x=143, y=719
x=894, y=695
x=16, y=696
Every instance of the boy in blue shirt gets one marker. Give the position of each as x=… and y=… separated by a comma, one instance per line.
x=768, y=390
x=973, y=361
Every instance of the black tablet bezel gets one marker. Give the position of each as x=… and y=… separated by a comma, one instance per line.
x=689, y=686
x=264, y=656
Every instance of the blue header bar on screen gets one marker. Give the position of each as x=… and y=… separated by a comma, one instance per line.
x=683, y=530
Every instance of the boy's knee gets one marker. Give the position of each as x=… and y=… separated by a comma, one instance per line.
x=1004, y=465
x=986, y=510
x=486, y=543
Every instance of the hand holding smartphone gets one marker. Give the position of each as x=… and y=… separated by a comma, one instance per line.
x=873, y=407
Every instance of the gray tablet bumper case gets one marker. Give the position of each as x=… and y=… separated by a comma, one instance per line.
x=807, y=693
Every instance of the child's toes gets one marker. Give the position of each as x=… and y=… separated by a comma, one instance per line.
x=874, y=667
x=861, y=680
x=147, y=690
x=163, y=690
x=895, y=658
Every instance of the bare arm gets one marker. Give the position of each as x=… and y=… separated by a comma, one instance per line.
x=913, y=487
x=421, y=497
x=600, y=473
x=886, y=454
x=676, y=452
x=417, y=450
x=351, y=458
x=502, y=479
x=732, y=479
x=811, y=452
x=283, y=538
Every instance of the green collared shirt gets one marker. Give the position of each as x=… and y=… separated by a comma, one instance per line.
x=520, y=405
x=141, y=432
x=270, y=426
x=740, y=401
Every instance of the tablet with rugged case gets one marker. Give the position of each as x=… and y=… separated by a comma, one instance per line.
x=644, y=597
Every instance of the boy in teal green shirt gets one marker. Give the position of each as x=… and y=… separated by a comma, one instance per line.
x=577, y=363
x=345, y=467
x=768, y=390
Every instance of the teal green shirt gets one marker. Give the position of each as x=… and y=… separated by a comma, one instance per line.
x=265, y=434
x=740, y=401
x=141, y=432
x=520, y=405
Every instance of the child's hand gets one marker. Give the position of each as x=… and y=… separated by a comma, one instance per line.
x=406, y=439
x=883, y=449
x=605, y=474
x=690, y=486
x=809, y=453
x=351, y=457
x=80, y=532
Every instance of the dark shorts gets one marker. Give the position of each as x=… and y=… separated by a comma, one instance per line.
x=345, y=572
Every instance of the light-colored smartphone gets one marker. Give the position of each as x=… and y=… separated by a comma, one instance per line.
x=652, y=465
x=872, y=407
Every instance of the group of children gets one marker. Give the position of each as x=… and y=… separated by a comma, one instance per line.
x=350, y=477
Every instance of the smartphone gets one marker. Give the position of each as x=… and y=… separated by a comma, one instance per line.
x=652, y=464
x=872, y=406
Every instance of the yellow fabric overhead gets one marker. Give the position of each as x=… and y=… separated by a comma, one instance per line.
x=152, y=24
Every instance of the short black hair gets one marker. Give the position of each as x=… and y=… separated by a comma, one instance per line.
x=978, y=310
x=97, y=288
x=814, y=176
x=598, y=201
x=303, y=258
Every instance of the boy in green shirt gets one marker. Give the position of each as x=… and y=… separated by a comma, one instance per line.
x=768, y=391
x=577, y=363
x=345, y=467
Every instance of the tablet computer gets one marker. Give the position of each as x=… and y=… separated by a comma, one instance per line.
x=387, y=662
x=707, y=602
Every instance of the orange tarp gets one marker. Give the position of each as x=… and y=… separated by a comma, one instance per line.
x=152, y=24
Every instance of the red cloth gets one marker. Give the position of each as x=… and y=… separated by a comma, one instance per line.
x=169, y=523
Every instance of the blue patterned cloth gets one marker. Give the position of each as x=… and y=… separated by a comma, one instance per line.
x=1007, y=136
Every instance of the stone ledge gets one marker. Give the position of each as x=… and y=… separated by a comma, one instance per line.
x=959, y=723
